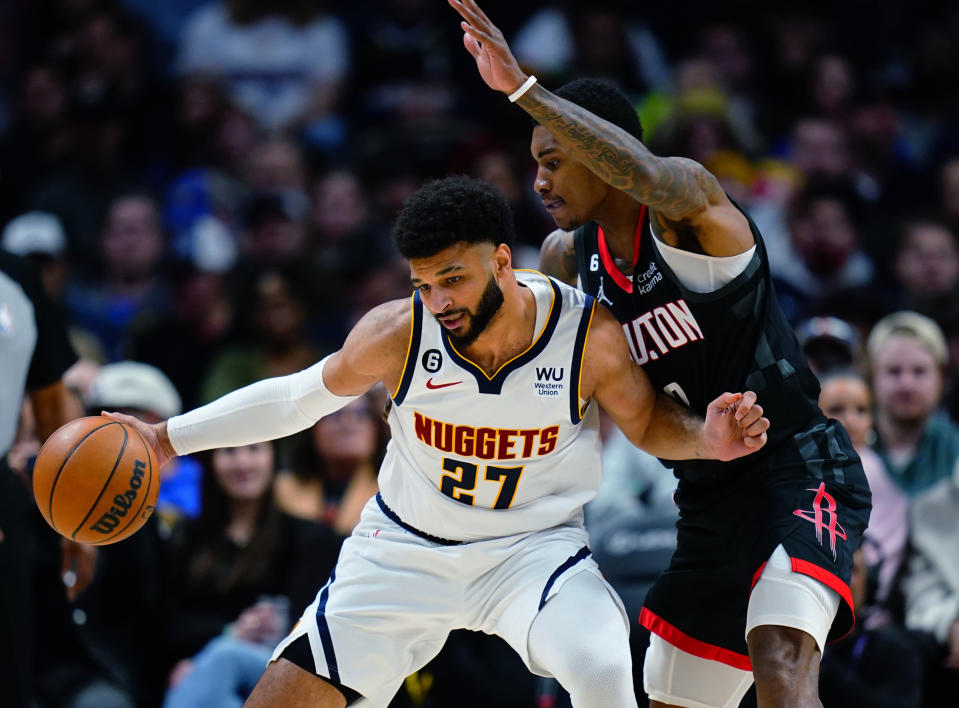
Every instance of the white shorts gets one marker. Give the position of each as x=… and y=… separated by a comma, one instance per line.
x=394, y=597
x=780, y=597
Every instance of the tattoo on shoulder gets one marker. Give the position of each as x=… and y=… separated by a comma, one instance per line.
x=558, y=257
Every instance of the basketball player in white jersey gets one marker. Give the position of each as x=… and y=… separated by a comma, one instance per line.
x=495, y=377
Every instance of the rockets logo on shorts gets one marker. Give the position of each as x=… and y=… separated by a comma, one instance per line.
x=823, y=517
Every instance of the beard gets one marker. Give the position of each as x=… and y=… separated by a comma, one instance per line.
x=490, y=302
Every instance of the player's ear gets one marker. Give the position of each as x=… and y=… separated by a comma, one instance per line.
x=502, y=258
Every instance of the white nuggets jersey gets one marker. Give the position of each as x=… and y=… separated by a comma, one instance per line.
x=475, y=456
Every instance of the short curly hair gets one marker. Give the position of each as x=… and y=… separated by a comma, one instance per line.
x=603, y=99
x=450, y=210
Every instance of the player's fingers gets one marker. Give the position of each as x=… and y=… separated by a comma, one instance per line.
x=476, y=12
x=745, y=403
x=750, y=416
x=472, y=46
x=723, y=401
x=755, y=442
x=466, y=12
x=476, y=33
x=119, y=417
x=757, y=428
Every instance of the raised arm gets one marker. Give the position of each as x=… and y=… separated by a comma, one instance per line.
x=373, y=352
x=682, y=194
x=557, y=257
x=653, y=421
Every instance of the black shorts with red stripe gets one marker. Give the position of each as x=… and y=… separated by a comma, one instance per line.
x=810, y=495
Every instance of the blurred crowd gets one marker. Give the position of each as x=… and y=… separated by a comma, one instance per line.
x=207, y=188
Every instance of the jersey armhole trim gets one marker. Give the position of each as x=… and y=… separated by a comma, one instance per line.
x=576, y=408
x=412, y=349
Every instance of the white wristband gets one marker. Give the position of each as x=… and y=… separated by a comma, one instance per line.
x=522, y=89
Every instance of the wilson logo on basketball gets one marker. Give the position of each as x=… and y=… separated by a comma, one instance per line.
x=122, y=502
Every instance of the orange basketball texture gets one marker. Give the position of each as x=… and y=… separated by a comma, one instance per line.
x=96, y=481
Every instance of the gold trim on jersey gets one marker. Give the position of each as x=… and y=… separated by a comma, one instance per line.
x=580, y=402
x=409, y=345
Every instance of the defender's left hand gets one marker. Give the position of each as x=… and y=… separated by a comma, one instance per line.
x=484, y=41
x=735, y=426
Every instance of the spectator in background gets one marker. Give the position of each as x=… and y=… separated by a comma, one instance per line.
x=348, y=240
x=565, y=39
x=825, y=254
x=276, y=164
x=948, y=187
x=874, y=665
x=816, y=149
x=408, y=76
x=333, y=472
x=499, y=167
x=920, y=446
x=224, y=575
x=283, y=62
x=931, y=586
x=829, y=343
x=202, y=323
x=40, y=135
x=198, y=107
x=131, y=292
x=279, y=313
x=275, y=228
x=39, y=236
x=347, y=243
x=846, y=396
x=927, y=264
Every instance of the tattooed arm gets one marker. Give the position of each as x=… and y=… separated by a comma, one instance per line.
x=686, y=199
x=557, y=257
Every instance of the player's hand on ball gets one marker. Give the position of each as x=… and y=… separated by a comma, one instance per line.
x=484, y=41
x=154, y=434
x=735, y=425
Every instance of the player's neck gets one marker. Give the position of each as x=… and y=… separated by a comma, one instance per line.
x=509, y=333
x=617, y=217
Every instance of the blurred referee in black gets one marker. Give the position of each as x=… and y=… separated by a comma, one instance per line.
x=34, y=354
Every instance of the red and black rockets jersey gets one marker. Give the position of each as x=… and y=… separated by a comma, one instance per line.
x=695, y=346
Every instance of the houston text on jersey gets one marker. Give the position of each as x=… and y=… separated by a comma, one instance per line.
x=654, y=333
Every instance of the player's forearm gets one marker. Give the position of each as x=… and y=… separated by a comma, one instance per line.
x=675, y=432
x=266, y=410
x=674, y=187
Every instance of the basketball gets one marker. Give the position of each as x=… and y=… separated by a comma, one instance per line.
x=96, y=481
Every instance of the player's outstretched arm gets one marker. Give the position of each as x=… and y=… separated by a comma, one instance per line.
x=733, y=427
x=273, y=408
x=678, y=190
